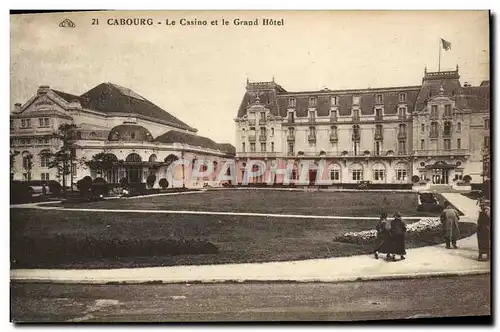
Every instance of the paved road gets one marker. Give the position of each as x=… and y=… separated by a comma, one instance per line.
x=454, y=296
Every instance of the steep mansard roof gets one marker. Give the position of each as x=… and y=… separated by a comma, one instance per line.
x=111, y=98
x=174, y=136
x=277, y=99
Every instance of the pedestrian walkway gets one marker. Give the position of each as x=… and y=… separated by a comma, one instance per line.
x=420, y=262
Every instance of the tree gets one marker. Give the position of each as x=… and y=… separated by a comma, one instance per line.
x=65, y=157
x=13, y=155
x=100, y=162
x=467, y=178
x=150, y=181
x=163, y=183
x=28, y=165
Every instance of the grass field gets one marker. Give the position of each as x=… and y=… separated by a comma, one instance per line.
x=354, y=204
x=39, y=237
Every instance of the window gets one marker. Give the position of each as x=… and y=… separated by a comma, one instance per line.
x=291, y=117
x=355, y=100
x=447, y=144
x=378, y=113
x=291, y=131
x=272, y=146
x=379, y=99
x=355, y=114
x=272, y=131
x=447, y=110
x=290, y=147
x=459, y=143
x=378, y=130
x=434, y=111
x=43, y=122
x=311, y=114
x=486, y=123
x=252, y=147
x=378, y=172
x=402, y=147
x=357, y=172
x=312, y=131
x=486, y=142
x=27, y=161
x=45, y=177
x=40, y=122
x=333, y=101
x=23, y=123
x=312, y=102
x=28, y=123
x=243, y=147
x=73, y=169
x=355, y=132
x=46, y=122
x=291, y=102
x=377, y=148
x=263, y=131
x=132, y=136
x=333, y=131
x=447, y=128
x=434, y=129
x=262, y=116
x=263, y=147
x=44, y=159
x=422, y=144
x=402, y=128
x=459, y=127
x=402, y=97
x=401, y=172
x=422, y=128
x=335, y=172
x=402, y=112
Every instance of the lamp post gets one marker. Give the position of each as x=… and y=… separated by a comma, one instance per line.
x=183, y=179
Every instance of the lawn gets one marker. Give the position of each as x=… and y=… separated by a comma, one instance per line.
x=357, y=204
x=49, y=238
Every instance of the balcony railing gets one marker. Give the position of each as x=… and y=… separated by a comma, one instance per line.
x=260, y=154
x=356, y=137
x=290, y=120
x=334, y=138
x=379, y=136
x=452, y=152
x=447, y=134
x=252, y=122
x=433, y=116
x=333, y=119
x=290, y=138
x=433, y=134
x=311, y=138
x=262, y=138
x=447, y=116
x=262, y=121
x=252, y=138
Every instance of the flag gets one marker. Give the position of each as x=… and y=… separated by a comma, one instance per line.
x=446, y=44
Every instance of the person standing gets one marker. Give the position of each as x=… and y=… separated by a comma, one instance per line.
x=483, y=232
x=398, y=235
x=449, y=219
x=383, y=237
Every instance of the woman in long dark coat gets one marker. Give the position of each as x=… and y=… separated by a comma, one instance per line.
x=383, y=237
x=398, y=235
x=483, y=232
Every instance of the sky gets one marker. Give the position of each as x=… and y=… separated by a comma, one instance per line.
x=199, y=73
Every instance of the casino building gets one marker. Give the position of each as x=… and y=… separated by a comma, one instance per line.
x=136, y=137
x=435, y=131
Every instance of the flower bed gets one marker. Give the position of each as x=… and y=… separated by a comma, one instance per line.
x=427, y=230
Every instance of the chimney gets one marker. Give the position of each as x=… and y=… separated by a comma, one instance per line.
x=17, y=107
x=43, y=89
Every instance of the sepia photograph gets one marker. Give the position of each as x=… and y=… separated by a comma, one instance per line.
x=250, y=166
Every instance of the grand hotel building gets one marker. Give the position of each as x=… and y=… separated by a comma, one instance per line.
x=137, y=137
x=437, y=130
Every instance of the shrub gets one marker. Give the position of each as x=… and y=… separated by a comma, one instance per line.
x=415, y=178
x=54, y=187
x=99, y=181
x=124, y=181
x=84, y=185
x=467, y=178
x=163, y=183
x=19, y=192
x=151, y=180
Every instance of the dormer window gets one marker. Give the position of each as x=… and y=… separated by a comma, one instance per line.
x=312, y=102
x=434, y=111
x=334, y=101
x=291, y=102
x=447, y=110
x=379, y=99
x=355, y=100
x=402, y=97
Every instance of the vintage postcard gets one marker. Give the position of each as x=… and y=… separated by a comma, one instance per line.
x=235, y=166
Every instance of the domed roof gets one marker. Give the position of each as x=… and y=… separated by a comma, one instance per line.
x=130, y=132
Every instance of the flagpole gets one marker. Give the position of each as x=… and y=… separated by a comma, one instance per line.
x=439, y=62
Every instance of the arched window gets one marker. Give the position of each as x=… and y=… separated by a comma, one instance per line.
x=434, y=129
x=133, y=157
x=447, y=128
x=401, y=172
x=152, y=158
x=27, y=160
x=335, y=172
x=356, y=171
x=378, y=170
x=44, y=158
